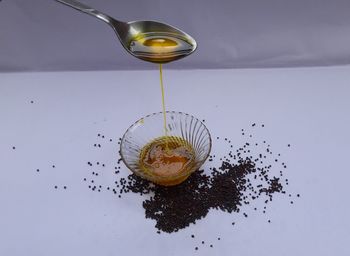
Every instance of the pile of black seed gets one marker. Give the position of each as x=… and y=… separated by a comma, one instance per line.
x=240, y=178
x=176, y=207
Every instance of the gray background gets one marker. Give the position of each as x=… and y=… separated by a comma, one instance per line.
x=44, y=35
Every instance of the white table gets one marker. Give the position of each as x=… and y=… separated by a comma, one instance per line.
x=306, y=107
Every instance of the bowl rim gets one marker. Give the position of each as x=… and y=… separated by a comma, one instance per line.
x=157, y=113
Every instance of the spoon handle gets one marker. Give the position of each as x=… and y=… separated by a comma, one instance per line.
x=87, y=9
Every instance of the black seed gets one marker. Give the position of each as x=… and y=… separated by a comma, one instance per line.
x=227, y=187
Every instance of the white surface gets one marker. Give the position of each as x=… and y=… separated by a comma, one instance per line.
x=230, y=33
x=308, y=108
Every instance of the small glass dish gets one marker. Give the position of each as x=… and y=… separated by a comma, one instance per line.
x=151, y=127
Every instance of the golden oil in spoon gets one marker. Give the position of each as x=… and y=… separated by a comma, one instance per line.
x=160, y=47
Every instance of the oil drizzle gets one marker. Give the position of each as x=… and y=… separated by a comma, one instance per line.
x=163, y=100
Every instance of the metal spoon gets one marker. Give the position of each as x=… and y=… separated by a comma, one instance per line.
x=147, y=40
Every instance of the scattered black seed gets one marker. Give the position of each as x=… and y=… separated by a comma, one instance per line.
x=176, y=207
x=53, y=166
x=240, y=179
x=298, y=195
x=56, y=187
x=288, y=145
x=202, y=242
x=211, y=246
x=196, y=248
x=64, y=187
x=37, y=170
x=253, y=124
x=269, y=221
x=31, y=101
x=219, y=238
x=13, y=147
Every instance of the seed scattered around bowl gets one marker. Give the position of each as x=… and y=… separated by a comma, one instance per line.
x=229, y=182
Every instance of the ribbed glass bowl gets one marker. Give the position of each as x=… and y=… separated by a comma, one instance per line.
x=150, y=128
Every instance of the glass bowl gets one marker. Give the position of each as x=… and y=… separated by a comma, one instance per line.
x=151, y=127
